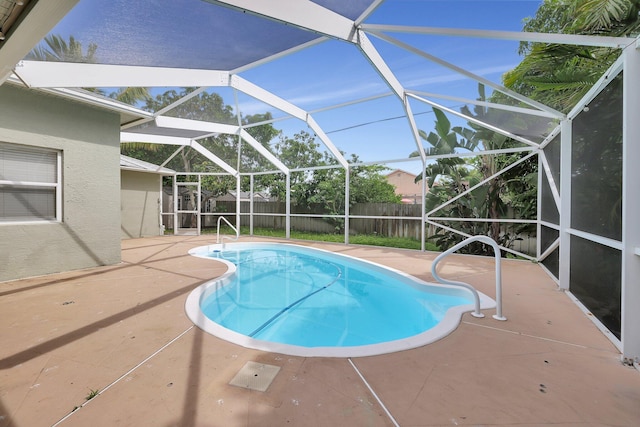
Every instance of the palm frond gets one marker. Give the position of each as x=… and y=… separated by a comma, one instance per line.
x=603, y=14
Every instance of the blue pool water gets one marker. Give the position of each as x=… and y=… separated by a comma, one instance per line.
x=305, y=297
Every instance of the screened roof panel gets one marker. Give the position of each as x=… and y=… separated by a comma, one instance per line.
x=249, y=106
x=373, y=130
x=481, y=137
x=212, y=105
x=252, y=161
x=181, y=34
x=278, y=62
x=436, y=61
x=479, y=14
x=297, y=146
x=324, y=75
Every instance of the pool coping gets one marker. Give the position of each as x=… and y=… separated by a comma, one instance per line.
x=448, y=324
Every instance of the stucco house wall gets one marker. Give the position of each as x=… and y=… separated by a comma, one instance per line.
x=140, y=204
x=406, y=187
x=89, y=233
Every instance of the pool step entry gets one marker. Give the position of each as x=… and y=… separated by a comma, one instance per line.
x=255, y=376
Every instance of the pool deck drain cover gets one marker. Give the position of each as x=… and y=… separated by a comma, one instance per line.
x=255, y=376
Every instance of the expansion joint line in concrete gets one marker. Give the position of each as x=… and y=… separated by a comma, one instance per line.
x=125, y=375
x=393, y=420
x=525, y=335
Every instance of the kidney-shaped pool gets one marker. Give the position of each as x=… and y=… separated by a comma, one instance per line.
x=304, y=301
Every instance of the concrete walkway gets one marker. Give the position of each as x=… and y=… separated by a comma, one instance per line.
x=120, y=333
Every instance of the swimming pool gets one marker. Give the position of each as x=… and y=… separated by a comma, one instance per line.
x=304, y=301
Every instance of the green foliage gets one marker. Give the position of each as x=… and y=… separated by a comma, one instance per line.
x=321, y=187
x=370, y=240
x=205, y=107
x=509, y=194
x=326, y=187
x=92, y=394
x=57, y=49
x=560, y=75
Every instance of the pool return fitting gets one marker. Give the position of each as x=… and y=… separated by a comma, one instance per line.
x=496, y=249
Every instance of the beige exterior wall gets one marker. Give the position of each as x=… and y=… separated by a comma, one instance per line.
x=405, y=185
x=140, y=204
x=89, y=234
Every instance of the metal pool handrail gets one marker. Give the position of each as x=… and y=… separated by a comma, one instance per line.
x=220, y=218
x=496, y=250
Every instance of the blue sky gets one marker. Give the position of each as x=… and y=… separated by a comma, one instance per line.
x=338, y=74
x=182, y=33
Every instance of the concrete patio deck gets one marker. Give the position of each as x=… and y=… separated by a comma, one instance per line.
x=120, y=332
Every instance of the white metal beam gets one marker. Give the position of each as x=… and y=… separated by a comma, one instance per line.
x=372, y=7
x=327, y=142
x=597, y=87
x=379, y=64
x=24, y=35
x=196, y=125
x=153, y=139
x=215, y=159
x=172, y=140
x=371, y=53
x=570, y=39
x=304, y=14
x=566, y=137
x=278, y=55
x=262, y=150
x=415, y=132
x=631, y=209
x=504, y=107
x=550, y=179
x=476, y=121
x=267, y=97
x=65, y=74
x=479, y=184
x=180, y=101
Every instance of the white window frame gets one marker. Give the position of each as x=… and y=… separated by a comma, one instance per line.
x=57, y=186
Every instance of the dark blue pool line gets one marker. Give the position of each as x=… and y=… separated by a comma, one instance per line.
x=281, y=312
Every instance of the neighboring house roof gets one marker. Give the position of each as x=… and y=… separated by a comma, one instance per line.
x=404, y=182
x=129, y=163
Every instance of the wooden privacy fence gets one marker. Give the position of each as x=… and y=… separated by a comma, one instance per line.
x=271, y=215
x=403, y=220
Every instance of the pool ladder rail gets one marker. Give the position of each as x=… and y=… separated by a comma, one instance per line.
x=219, y=239
x=496, y=250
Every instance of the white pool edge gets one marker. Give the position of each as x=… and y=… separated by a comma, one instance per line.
x=448, y=324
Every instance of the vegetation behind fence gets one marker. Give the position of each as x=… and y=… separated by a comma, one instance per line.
x=403, y=221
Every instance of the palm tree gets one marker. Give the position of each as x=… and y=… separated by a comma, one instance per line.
x=493, y=199
x=560, y=75
x=443, y=141
x=57, y=49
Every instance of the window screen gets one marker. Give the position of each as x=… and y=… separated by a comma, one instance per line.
x=29, y=183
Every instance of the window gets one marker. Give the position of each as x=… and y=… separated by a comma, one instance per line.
x=30, y=187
